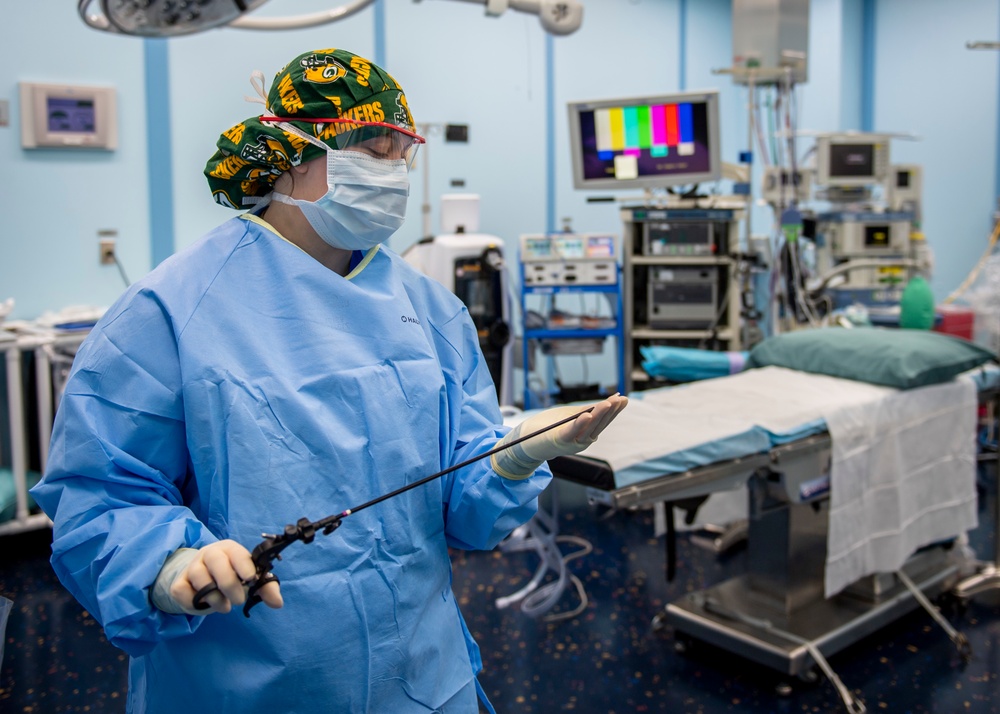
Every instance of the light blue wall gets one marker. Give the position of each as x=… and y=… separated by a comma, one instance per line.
x=709, y=48
x=927, y=82
x=54, y=202
x=490, y=73
x=460, y=67
x=821, y=97
x=624, y=49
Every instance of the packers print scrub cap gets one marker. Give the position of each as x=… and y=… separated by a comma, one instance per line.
x=333, y=95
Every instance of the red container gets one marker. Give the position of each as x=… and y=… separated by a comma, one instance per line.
x=956, y=320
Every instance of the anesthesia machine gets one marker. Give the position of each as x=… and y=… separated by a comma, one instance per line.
x=851, y=223
x=865, y=247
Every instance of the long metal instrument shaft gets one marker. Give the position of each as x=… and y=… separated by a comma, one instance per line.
x=304, y=530
x=465, y=463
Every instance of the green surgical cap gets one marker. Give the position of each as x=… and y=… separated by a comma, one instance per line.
x=322, y=84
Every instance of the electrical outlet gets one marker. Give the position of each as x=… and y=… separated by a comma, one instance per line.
x=107, y=247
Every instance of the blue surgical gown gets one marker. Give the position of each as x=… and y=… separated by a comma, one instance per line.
x=239, y=387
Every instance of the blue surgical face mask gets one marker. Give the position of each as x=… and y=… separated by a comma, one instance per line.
x=365, y=201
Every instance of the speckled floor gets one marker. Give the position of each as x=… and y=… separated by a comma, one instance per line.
x=607, y=660
x=610, y=660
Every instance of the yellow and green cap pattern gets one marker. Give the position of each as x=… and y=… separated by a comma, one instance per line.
x=321, y=84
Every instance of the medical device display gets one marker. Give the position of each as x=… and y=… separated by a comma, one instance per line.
x=866, y=234
x=679, y=238
x=68, y=116
x=849, y=160
x=569, y=259
x=268, y=550
x=906, y=188
x=645, y=142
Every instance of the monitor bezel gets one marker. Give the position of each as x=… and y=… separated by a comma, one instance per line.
x=881, y=165
x=35, y=132
x=709, y=96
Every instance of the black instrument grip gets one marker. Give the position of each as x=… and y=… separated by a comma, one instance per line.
x=199, y=597
x=252, y=597
x=198, y=602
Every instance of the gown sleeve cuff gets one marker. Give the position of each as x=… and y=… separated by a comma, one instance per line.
x=174, y=566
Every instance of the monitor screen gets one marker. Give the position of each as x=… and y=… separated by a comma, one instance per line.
x=570, y=247
x=536, y=248
x=852, y=160
x=69, y=114
x=601, y=247
x=567, y=246
x=646, y=142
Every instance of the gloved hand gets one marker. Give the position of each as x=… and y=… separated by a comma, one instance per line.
x=521, y=460
x=227, y=564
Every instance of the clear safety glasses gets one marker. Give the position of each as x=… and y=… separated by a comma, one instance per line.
x=378, y=139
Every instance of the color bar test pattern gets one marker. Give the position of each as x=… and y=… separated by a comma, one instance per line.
x=656, y=128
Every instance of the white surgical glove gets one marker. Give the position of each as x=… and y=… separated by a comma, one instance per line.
x=226, y=564
x=521, y=460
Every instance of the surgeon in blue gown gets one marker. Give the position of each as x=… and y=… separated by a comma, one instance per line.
x=289, y=365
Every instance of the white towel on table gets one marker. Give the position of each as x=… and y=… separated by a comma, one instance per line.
x=903, y=475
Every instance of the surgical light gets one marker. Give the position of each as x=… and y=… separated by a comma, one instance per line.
x=163, y=18
x=167, y=18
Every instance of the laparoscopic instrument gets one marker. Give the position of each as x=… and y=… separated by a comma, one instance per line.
x=269, y=549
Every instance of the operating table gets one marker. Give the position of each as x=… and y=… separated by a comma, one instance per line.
x=681, y=445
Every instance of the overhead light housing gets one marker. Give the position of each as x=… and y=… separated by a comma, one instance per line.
x=163, y=18
x=169, y=18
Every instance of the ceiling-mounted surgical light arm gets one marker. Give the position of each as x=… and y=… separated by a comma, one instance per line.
x=559, y=17
x=298, y=22
x=166, y=18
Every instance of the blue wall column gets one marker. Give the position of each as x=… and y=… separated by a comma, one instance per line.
x=682, y=14
x=158, y=150
x=868, y=30
x=380, y=33
x=996, y=180
x=550, y=135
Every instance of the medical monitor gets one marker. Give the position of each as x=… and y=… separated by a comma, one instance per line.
x=68, y=116
x=645, y=142
x=848, y=160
